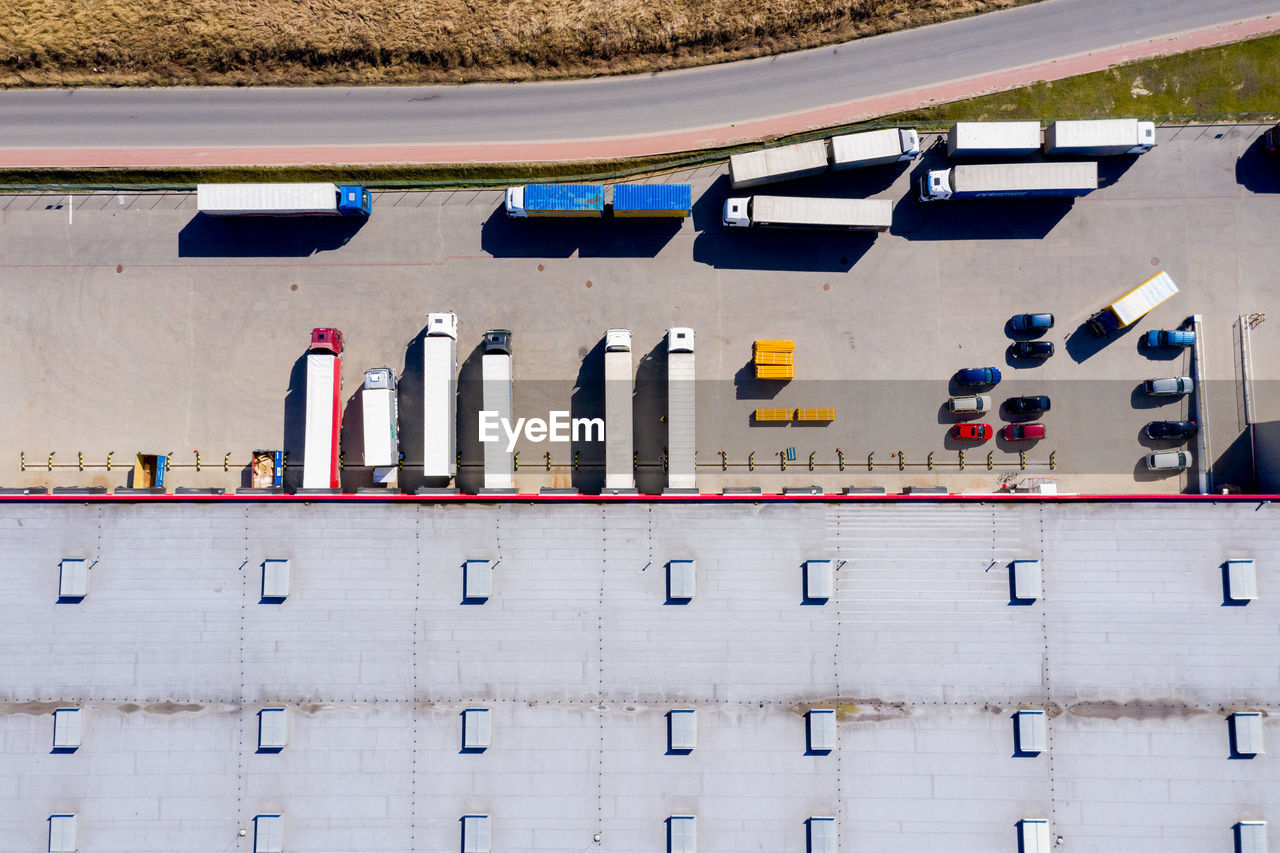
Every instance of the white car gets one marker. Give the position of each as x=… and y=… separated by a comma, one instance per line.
x=976, y=403
x=1168, y=460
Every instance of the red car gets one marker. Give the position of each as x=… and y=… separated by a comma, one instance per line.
x=1023, y=432
x=1271, y=140
x=971, y=432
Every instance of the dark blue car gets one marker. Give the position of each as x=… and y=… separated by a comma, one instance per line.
x=978, y=376
x=1031, y=322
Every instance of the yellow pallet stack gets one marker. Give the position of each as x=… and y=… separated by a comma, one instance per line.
x=827, y=415
x=774, y=415
x=775, y=359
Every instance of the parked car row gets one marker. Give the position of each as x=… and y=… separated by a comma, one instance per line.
x=989, y=377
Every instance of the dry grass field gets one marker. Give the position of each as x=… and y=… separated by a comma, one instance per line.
x=241, y=42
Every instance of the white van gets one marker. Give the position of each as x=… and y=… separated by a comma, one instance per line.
x=978, y=403
x=1168, y=460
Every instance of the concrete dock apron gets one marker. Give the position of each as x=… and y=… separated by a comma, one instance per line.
x=19, y=148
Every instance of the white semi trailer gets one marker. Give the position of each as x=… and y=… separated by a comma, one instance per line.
x=381, y=421
x=993, y=138
x=681, y=414
x=784, y=163
x=619, y=464
x=1100, y=137
x=283, y=200
x=805, y=159
x=842, y=214
x=439, y=396
x=495, y=374
x=322, y=430
x=1009, y=180
x=873, y=148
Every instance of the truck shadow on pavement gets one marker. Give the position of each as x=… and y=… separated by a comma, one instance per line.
x=587, y=401
x=504, y=237
x=649, y=424
x=265, y=236
x=1082, y=344
x=1257, y=171
x=295, y=422
x=470, y=476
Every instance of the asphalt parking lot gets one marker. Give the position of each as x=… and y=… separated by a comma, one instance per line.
x=135, y=325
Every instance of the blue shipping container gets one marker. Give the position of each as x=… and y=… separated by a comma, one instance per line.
x=564, y=199
x=652, y=200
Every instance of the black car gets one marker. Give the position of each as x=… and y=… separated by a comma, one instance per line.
x=1026, y=405
x=1170, y=430
x=1031, y=349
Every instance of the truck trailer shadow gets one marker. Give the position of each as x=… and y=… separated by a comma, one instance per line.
x=649, y=424
x=411, y=421
x=295, y=422
x=265, y=236
x=587, y=401
x=1083, y=344
x=504, y=237
x=470, y=477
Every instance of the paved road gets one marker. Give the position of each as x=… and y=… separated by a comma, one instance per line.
x=718, y=96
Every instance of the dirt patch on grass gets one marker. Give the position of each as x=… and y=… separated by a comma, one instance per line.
x=281, y=42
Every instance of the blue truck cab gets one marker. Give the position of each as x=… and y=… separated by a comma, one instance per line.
x=1157, y=338
x=354, y=201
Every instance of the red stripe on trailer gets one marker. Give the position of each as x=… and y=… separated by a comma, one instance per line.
x=336, y=442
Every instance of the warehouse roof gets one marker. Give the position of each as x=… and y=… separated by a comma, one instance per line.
x=580, y=653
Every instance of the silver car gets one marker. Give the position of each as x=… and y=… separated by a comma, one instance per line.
x=976, y=403
x=1168, y=460
x=1173, y=386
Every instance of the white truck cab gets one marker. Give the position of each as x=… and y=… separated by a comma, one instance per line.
x=737, y=213
x=617, y=340
x=679, y=339
x=936, y=185
x=515, y=202
x=444, y=324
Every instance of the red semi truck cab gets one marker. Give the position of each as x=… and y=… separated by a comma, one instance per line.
x=323, y=428
x=326, y=340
